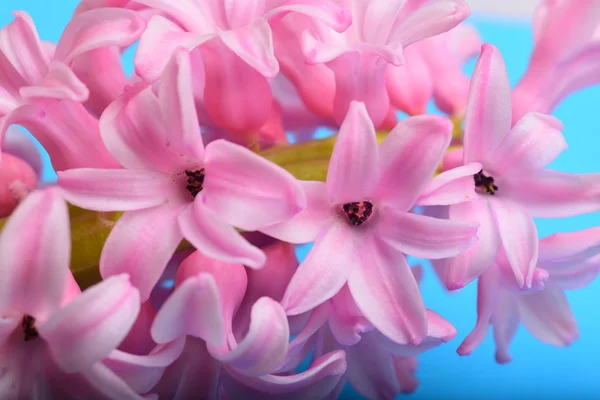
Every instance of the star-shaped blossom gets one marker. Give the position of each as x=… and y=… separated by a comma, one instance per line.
x=513, y=185
x=568, y=261
x=361, y=223
x=172, y=187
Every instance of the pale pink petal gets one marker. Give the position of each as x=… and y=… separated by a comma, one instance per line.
x=410, y=86
x=190, y=14
x=450, y=187
x=429, y=20
x=387, y=293
x=264, y=347
x=555, y=194
x=353, y=170
x=159, y=41
x=65, y=130
x=425, y=237
x=253, y=43
x=576, y=246
x=409, y=156
x=572, y=274
x=35, y=250
x=547, y=315
x=115, y=189
x=20, y=44
x=10, y=83
x=347, y=322
x=177, y=105
x=505, y=320
x=59, y=83
x=108, y=384
x=488, y=289
x=216, y=238
x=488, y=115
x=17, y=178
x=518, y=235
x=21, y=145
x=193, y=309
x=371, y=369
x=142, y=372
x=471, y=263
x=247, y=190
x=315, y=383
x=98, y=28
x=324, y=270
x=306, y=225
x=453, y=158
x=134, y=131
x=102, y=73
x=331, y=13
x=140, y=244
x=237, y=97
x=406, y=368
x=93, y=324
x=534, y=142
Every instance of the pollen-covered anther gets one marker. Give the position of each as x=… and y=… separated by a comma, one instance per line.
x=485, y=183
x=28, y=326
x=195, y=181
x=358, y=212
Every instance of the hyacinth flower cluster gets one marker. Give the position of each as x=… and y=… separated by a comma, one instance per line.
x=161, y=263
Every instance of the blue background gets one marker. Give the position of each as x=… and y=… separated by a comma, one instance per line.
x=537, y=370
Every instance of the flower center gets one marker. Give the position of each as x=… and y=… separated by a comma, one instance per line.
x=358, y=212
x=28, y=326
x=195, y=180
x=485, y=183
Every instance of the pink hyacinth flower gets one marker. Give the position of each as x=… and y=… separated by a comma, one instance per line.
x=513, y=185
x=236, y=45
x=380, y=30
x=572, y=260
x=361, y=224
x=566, y=56
x=44, y=96
x=172, y=187
x=433, y=68
x=203, y=307
x=50, y=333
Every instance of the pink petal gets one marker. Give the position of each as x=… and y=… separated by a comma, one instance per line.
x=205, y=230
x=405, y=372
x=354, y=171
x=142, y=372
x=306, y=225
x=451, y=186
x=176, y=99
x=575, y=245
x=65, y=130
x=534, y=142
x=505, y=320
x=135, y=134
x=191, y=15
x=17, y=178
x=371, y=369
x=106, y=383
x=59, y=83
x=237, y=97
x=264, y=347
x=140, y=244
x=555, y=194
x=247, y=190
x=453, y=158
x=159, y=41
x=98, y=28
x=35, y=250
x=253, y=43
x=21, y=145
x=547, y=315
x=387, y=293
x=572, y=274
x=331, y=13
x=429, y=20
x=93, y=324
x=518, y=235
x=488, y=115
x=347, y=322
x=115, y=189
x=425, y=237
x=20, y=44
x=193, y=309
x=468, y=265
x=324, y=270
x=409, y=156
x=410, y=86
x=488, y=289
x=316, y=382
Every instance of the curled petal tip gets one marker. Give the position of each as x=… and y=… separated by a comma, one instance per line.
x=503, y=358
x=455, y=285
